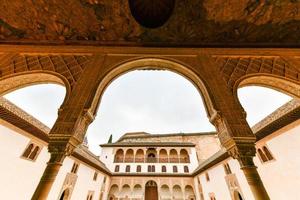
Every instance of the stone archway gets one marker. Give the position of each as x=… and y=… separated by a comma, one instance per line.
x=21, y=80
x=157, y=64
x=151, y=192
x=280, y=84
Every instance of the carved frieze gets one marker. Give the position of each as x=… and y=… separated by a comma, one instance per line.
x=192, y=22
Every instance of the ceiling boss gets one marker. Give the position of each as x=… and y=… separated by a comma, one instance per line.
x=151, y=13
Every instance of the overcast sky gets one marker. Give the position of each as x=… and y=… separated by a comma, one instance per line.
x=149, y=101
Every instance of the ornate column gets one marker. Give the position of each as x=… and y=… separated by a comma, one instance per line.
x=71, y=125
x=51, y=171
x=233, y=130
x=244, y=154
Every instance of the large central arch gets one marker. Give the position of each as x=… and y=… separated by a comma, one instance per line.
x=151, y=63
x=151, y=192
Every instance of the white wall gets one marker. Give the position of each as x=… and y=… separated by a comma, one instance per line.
x=18, y=177
x=281, y=176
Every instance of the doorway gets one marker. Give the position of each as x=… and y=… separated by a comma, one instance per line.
x=151, y=191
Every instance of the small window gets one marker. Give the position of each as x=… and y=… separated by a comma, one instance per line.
x=117, y=168
x=227, y=168
x=186, y=169
x=138, y=168
x=28, y=151
x=90, y=195
x=104, y=179
x=163, y=168
x=207, y=177
x=175, y=170
x=31, y=152
x=153, y=168
x=262, y=156
x=75, y=168
x=95, y=176
x=268, y=153
x=127, y=168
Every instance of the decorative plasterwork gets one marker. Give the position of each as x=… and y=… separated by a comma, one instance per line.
x=206, y=22
x=234, y=68
x=68, y=66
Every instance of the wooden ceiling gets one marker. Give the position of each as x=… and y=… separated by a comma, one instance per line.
x=193, y=23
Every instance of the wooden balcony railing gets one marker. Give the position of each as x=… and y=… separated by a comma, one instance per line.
x=151, y=160
x=140, y=160
x=174, y=160
x=129, y=160
x=119, y=160
x=184, y=160
x=164, y=160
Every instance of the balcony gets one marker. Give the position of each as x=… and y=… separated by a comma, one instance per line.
x=119, y=159
x=184, y=160
x=129, y=160
x=151, y=160
x=164, y=160
x=140, y=160
x=174, y=160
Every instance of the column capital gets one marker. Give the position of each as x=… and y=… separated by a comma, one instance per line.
x=244, y=153
x=59, y=150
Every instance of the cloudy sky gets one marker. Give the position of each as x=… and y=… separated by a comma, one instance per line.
x=149, y=101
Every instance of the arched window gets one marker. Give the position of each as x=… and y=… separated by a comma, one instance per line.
x=127, y=168
x=74, y=168
x=138, y=168
x=207, y=176
x=186, y=169
x=119, y=156
x=173, y=156
x=268, y=153
x=129, y=156
x=262, y=156
x=117, y=168
x=153, y=168
x=163, y=168
x=163, y=156
x=151, y=155
x=184, y=156
x=95, y=176
x=34, y=153
x=31, y=151
x=227, y=168
x=28, y=151
x=175, y=170
x=139, y=156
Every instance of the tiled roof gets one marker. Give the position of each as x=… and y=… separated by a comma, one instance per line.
x=19, y=118
x=142, y=144
x=281, y=117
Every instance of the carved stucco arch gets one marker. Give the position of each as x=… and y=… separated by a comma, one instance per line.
x=20, y=80
x=156, y=64
x=283, y=85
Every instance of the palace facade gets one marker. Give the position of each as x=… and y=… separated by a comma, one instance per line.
x=179, y=166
